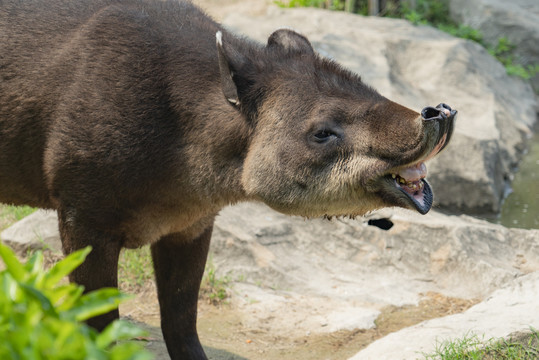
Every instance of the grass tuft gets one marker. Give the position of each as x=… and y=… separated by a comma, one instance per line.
x=10, y=214
x=214, y=289
x=135, y=272
x=523, y=346
x=135, y=269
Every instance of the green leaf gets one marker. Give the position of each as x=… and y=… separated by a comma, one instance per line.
x=66, y=266
x=35, y=263
x=129, y=351
x=96, y=303
x=14, y=267
x=9, y=286
x=118, y=330
x=45, y=303
x=63, y=297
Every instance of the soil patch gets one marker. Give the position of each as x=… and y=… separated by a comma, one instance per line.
x=226, y=334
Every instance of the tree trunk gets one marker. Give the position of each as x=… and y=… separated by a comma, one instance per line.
x=374, y=7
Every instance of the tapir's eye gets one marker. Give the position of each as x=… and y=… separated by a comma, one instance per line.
x=322, y=136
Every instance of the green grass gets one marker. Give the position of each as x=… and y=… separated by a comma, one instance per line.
x=472, y=347
x=503, y=51
x=325, y=4
x=213, y=288
x=135, y=268
x=11, y=213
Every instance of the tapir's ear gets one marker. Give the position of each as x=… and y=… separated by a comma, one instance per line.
x=231, y=65
x=290, y=42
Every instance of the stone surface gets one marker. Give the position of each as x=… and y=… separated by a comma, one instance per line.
x=319, y=276
x=458, y=256
x=39, y=230
x=517, y=20
x=419, y=66
x=349, y=262
x=508, y=310
x=323, y=276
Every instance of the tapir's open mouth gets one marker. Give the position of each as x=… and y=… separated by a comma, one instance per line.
x=406, y=185
x=411, y=182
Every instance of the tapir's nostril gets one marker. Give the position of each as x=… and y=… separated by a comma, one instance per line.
x=440, y=112
x=430, y=113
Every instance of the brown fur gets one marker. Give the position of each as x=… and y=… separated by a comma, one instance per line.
x=128, y=119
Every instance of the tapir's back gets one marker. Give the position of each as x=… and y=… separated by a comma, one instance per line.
x=33, y=40
x=97, y=63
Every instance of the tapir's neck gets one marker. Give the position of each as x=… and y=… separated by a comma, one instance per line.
x=214, y=143
x=215, y=135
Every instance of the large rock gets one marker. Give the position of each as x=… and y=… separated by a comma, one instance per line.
x=318, y=276
x=38, y=230
x=502, y=314
x=324, y=276
x=420, y=66
x=517, y=20
x=343, y=272
x=457, y=256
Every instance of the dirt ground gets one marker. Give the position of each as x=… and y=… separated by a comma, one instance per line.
x=226, y=335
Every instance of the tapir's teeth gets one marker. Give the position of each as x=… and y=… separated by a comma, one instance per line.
x=410, y=185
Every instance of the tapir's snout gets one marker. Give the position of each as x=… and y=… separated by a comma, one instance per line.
x=406, y=185
x=442, y=121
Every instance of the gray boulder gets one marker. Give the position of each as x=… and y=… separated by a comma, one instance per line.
x=38, y=230
x=505, y=312
x=517, y=20
x=324, y=276
x=456, y=255
x=419, y=66
x=318, y=276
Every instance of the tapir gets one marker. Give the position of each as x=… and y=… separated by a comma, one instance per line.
x=138, y=120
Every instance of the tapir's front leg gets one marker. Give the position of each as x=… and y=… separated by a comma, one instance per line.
x=179, y=265
x=100, y=269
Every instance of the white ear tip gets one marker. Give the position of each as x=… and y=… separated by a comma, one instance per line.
x=219, y=37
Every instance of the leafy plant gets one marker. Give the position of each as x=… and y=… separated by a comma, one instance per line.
x=434, y=13
x=462, y=31
x=41, y=316
x=503, y=51
x=415, y=18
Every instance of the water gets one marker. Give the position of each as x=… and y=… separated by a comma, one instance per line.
x=521, y=208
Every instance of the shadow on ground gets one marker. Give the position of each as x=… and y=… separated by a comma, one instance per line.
x=156, y=345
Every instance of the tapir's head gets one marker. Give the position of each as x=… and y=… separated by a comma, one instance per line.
x=324, y=143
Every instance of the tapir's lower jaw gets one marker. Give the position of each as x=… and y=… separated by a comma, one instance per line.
x=415, y=195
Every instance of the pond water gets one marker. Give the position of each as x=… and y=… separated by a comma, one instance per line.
x=521, y=208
